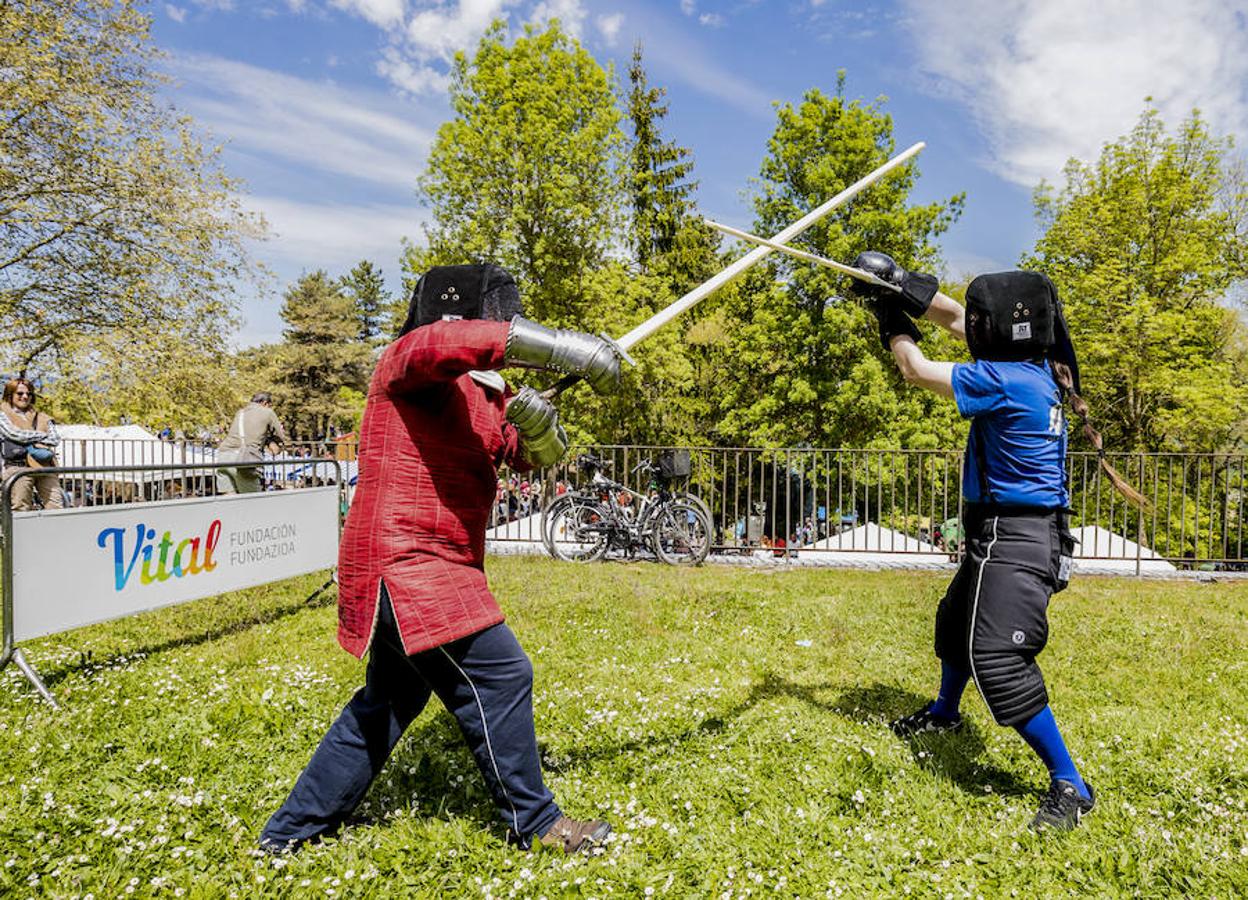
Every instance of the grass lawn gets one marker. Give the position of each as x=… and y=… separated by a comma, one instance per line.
x=729, y=722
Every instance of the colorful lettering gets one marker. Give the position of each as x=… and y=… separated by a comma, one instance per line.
x=168, y=565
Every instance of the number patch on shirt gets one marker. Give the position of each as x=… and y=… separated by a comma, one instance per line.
x=1057, y=421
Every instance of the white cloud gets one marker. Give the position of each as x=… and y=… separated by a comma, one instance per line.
x=411, y=76
x=570, y=13
x=383, y=13
x=330, y=236
x=177, y=13
x=1049, y=79
x=335, y=236
x=961, y=263
x=688, y=7
x=609, y=27
x=437, y=32
x=711, y=20
x=426, y=43
x=671, y=51
x=312, y=124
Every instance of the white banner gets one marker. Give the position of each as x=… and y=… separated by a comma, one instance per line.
x=78, y=566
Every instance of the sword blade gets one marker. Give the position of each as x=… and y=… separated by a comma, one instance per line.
x=802, y=254
x=661, y=318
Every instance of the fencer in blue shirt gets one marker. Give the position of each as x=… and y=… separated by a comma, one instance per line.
x=992, y=622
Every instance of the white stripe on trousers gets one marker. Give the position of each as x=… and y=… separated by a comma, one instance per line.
x=970, y=649
x=489, y=748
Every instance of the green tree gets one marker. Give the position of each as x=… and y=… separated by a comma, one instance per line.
x=665, y=234
x=524, y=175
x=116, y=223
x=146, y=378
x=365, y=286
x=320, y=355
x=803, y=363
x=1143, y=245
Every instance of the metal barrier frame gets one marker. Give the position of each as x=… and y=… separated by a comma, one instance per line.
x=11, y=652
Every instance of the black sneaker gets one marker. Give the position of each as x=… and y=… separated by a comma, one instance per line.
x=924, y=722
x=1063, y=807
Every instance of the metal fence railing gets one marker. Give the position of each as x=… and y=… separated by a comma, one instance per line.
x=908, y=502
x=788, y=501
x=123, y=470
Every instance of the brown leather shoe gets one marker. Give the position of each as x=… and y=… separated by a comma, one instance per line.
x=574, y=834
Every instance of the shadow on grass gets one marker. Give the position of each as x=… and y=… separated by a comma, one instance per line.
x=771, y=687
x=422, y=773
x=87, y=663
x=432, y=771
x=953, y=756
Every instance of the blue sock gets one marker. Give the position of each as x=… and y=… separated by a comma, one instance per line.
x=1040, y=732
x=952, y=684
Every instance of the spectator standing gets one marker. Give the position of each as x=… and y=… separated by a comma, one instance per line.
x=29, y=439
x=255, y=427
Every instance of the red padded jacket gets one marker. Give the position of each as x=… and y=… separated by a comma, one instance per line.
x=431, y=442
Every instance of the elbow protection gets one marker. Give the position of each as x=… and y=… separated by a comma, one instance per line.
x=575, y=352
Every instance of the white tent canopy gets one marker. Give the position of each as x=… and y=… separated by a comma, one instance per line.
x=97, y=446
x=874, y=544
x=1101, y=550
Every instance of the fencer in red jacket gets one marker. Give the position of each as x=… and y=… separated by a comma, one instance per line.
x=412, y=589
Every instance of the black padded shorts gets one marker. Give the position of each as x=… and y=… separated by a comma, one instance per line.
x=993, y=620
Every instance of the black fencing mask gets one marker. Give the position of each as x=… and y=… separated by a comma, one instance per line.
x=1018, y=316
x=482, y=291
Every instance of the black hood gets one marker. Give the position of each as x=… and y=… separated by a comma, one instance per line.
x=480, y=291
x=1018, y=316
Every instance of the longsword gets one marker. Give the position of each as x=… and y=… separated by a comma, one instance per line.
x=714, y=283
x=860, y=274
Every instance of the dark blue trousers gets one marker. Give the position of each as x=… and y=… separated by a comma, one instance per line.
x=485, y=680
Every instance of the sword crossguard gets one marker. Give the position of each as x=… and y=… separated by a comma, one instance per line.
x=618, y=348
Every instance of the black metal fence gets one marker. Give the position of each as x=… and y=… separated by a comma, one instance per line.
x=791, y=501
x=794, y=501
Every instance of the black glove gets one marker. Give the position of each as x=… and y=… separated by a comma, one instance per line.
x=893, y=321
x=917, y=289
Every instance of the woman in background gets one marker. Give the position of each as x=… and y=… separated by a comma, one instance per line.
x=29, y=441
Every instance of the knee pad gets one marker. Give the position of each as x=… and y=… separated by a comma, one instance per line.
x=1011, y=684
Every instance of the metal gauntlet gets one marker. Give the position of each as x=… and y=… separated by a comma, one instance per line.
x=543, y=441
x=536, y=346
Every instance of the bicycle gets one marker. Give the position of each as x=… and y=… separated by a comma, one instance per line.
x=584, y=524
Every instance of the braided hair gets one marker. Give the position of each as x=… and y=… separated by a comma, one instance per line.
x=1066, y=381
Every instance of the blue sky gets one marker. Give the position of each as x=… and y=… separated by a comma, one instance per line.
x=327, y=107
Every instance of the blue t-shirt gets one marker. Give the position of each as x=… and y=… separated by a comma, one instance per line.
x=1019, y=432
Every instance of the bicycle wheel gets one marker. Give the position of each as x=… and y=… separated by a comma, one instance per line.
x=681, y=533
x=698, y=502
x=572, y=529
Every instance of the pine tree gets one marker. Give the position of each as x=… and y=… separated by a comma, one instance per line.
x=320, y=355
x=660, y=188
x=366, y=287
